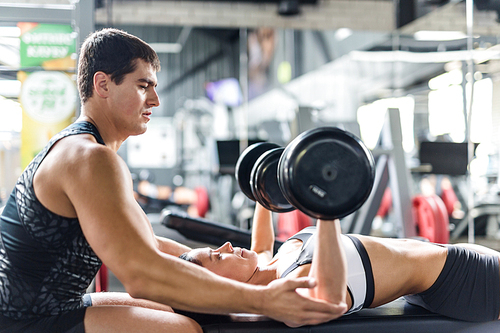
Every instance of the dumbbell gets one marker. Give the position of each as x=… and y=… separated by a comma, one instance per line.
x=256, y=173
x=326, y=173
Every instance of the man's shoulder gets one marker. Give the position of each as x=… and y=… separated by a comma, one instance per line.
x=88, y=166
x=83, y=150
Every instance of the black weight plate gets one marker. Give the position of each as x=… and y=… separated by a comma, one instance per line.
x=326, y=173
x=246, y=162
x=264, y=182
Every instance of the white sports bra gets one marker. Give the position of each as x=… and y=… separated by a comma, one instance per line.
x=360, y=283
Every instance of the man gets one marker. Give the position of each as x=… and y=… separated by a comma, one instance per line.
x=73, y=207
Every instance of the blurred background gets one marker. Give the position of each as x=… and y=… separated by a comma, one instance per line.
x=416, y=80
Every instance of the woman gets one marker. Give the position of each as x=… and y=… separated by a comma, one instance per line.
x=354, y=271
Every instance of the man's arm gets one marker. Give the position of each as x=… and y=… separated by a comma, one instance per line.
x=262, y=234
x=99, y=186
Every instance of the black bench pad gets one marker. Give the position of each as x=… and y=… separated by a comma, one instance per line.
x=395, y=317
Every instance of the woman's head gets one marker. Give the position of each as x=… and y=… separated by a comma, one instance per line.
x=227, y=261
x=113, y=52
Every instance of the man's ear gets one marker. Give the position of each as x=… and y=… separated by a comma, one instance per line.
x=101, y=84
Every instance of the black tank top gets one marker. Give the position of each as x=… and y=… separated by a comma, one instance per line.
x=46, y=264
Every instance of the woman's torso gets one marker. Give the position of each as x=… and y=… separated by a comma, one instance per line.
x=400, y=266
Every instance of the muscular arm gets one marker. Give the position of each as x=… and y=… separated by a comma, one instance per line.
x=262, y=234
x=98, y=185
x=329, y=267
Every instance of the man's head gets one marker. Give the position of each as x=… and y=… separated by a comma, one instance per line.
x=233, y=263
x=113, y=52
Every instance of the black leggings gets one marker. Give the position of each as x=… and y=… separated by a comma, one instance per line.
x=468, y=287
x=68, y=322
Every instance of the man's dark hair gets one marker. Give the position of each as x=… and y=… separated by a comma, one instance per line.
x=187, y=257
x=113, y=52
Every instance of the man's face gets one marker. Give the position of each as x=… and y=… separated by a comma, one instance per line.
x=233, y=263
x=133, y=99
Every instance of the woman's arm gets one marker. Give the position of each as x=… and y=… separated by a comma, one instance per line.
x=171, y=247
x=262, y=234
x=329, y=266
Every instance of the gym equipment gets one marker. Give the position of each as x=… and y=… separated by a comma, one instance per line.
x=263, y=182
x=202, y=230
x=385, y=203
x=396, y=316
x=246, y=162
x=450, y=199
x=431, y=218
x=442, y=231
x=202, y=201
x=391, y=170
x=102, y=279
x=290, y=223
x=325, y=172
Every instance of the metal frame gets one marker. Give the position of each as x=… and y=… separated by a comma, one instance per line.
x=390, y=170
x=12, y=12
x=80, y=15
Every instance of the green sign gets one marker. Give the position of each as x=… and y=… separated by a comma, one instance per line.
x=46, y=42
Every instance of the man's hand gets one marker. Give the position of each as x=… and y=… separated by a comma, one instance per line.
x=282, y=302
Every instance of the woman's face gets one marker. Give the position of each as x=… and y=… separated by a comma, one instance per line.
x=233, y=263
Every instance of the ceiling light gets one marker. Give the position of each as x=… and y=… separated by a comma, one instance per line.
x=342, y=33
x=10, y=32
x=438, y=35
x=166, y=47
x=10, y=88
x=444, y=80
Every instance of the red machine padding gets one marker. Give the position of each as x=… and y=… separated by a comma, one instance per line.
x=385, y=203
x=424, y=217
x=442, y=226
x=203, y=201
x=290, y=223
x=449, y=199
x=431, y=218
x=101, y=279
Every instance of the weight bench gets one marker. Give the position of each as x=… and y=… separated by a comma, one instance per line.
x=396, y=316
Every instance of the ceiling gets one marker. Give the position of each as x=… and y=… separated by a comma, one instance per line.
x=372, y=15
x=375, y=67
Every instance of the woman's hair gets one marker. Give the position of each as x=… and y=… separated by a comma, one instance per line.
x=187, y=257
x=113, y=52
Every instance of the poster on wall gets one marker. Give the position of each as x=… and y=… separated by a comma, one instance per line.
x=48, y=92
